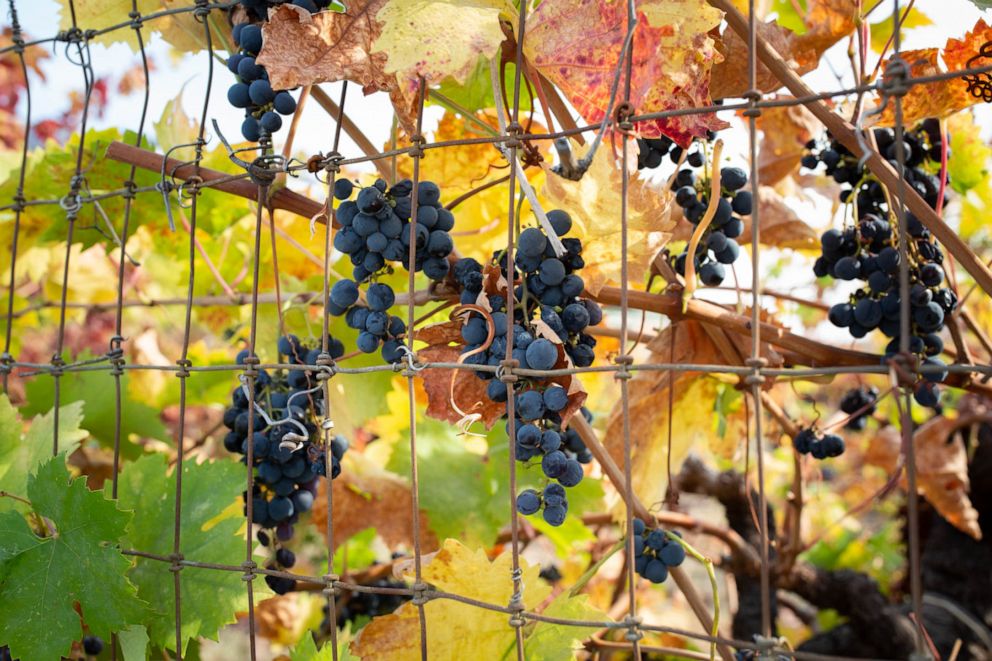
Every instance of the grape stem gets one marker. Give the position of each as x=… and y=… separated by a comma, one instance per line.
x=715, y=631
x=589, y=573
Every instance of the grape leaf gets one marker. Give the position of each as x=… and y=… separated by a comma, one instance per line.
x=299, y=48
x=20, y=454
x=477, y=90
x=42, y=581
x=210, y=528
x=134, y=642
x=881, y=31
x=945, y=97
x=825, y=23
x=785, y=130
x=365, y=493
x=306, y=648
x=576, y=45
x=594, y=205
x=97, y=391
x=181, y=30
x=48, y=171
x=551, y=642
x=692, y=405
x=969, y=167
x=439, y=38
x=454, y=630
x=941, y=467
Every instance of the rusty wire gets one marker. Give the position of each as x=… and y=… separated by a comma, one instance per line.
x=754, y=371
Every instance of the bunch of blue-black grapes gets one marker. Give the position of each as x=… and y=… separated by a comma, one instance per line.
x=547, y=288
x=263, y=105
x=654, y=552
x=375, y=232
x=820, y=446
x=287, y=446
x=859, y=404
x=868, y=250
x=717, y=247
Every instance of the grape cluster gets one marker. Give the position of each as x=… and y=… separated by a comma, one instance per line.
x=652, y=151
x=869, y=251
x=287, y=451
x=717, y=246
x=820, y=446
x=352, y=606
x=861, y=401
x=546, y=289
x=263, y=106
x=375, y=230
x=655, y=552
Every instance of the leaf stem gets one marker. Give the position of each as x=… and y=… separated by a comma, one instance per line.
x=589, y=573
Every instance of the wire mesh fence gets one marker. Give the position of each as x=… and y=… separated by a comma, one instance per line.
x=181, y=182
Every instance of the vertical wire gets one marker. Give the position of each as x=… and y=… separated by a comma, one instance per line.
x=756, y=362
x=516, y=600
x=71, y=205
x=906, y=416
x=18, y=41
x=416, y=154
x=116, y=353
x=251, y=372
x=624, y=359
x=329, y=590
x=183, y=374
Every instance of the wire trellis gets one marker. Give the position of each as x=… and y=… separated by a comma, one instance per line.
x=261, y=172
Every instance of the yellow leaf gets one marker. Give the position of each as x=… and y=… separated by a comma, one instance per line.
x=881, y=31
x=454, y=630
x=594, y=204
x=439, y=38
x=175, y=127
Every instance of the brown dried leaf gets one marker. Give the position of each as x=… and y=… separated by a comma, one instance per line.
x=364, y=495
x=300, y=48
x=444, y=332
x=941, y=468
x=827, y=21
x=280, y=619
x=780, y=226
x=785, y=132
x=468, y=389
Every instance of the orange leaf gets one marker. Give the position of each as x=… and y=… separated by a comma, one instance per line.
x=468, y=389
x=945, y=97
x=577, y=43
x=827, y=21
x=784, y=134
x=300, y=48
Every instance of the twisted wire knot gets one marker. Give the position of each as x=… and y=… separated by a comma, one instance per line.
x=416, y=149
x=622, y=116
x=753, y=96
x=116, y=355
x=504, y=372
x=894, y=78
x=6, y=362
x=184, y=365
x=57, y=364
x=513, y=131
x=634, y=632
x=176, y=560
x=624, y=361
x=136, y=21
x=420, y=596
x=330, y=585
x=249, y=566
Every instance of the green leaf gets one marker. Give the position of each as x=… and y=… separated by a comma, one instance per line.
x=477, y=92
x=209, y=533
x=41, y=582
x=96, y=389
x=21, y=454
x=306, y=648
x=881, y=31
x=789, y=15
x=134, y=643
x=359, y=549
x=553, y=642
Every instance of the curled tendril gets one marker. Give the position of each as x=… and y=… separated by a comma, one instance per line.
x=979, y=85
